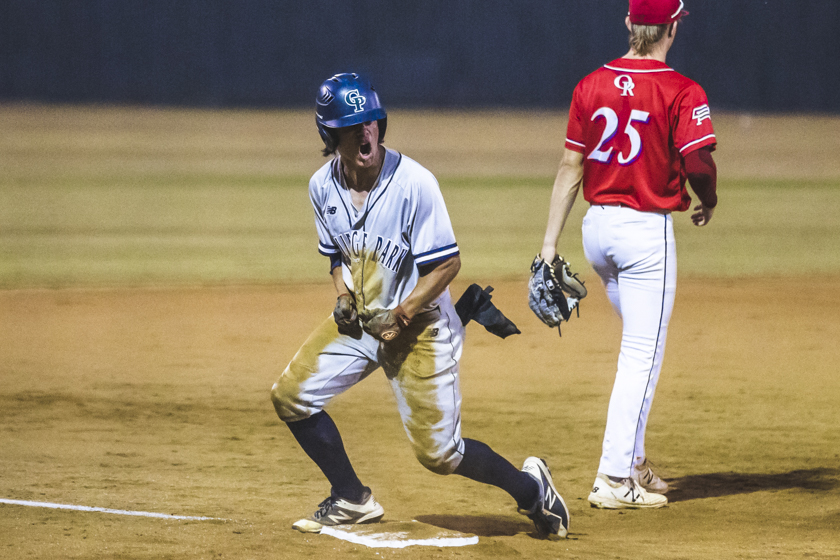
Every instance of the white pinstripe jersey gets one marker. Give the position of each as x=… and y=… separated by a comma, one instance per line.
x=403, y=224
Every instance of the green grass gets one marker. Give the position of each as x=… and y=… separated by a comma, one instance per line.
x=122, y=196
x=210, y=230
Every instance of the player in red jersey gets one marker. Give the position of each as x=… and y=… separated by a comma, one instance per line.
x=637, y=130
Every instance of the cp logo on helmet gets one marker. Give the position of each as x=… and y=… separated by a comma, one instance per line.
x=353, y=98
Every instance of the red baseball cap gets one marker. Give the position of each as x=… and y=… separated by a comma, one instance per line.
x=656, y=12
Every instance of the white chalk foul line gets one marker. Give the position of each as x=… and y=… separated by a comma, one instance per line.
x=104, y=510
x=393, y=540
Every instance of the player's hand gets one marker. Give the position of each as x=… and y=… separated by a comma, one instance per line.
x=346, y=317
x=385, y=324
x=702, y=215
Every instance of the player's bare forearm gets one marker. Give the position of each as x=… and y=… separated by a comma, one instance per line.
x=338, y=281
x=566, y=187
x=431, y=285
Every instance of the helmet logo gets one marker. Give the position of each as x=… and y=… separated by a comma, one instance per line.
x=325, y=97
x=358, y=101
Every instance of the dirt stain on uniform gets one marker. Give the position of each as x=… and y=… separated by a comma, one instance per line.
x=286, y=392
x=410, y=365
x=367, y=280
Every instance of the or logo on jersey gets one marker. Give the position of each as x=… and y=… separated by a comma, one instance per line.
x=330, y=210
x=353, y=98
x=701, y=113
x=356, y=245
x=625, y=83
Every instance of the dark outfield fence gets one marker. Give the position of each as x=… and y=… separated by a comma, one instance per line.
x=757, y=55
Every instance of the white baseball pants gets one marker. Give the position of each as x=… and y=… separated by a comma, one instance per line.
x=635, y=255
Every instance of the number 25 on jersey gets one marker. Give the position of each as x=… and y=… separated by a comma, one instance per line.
x=611, y=119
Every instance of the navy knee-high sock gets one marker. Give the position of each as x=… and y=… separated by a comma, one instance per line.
x=482, y=464
x=318, y=436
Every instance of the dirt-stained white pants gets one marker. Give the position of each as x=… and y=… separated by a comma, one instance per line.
x=421, y=365
x=634, y=254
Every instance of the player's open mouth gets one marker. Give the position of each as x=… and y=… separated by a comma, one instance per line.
x=365, y=149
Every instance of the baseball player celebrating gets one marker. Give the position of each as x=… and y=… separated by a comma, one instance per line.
x=637, y=130
x=382, y=222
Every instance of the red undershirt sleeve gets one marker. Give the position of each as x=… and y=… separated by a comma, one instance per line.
x=701, y=171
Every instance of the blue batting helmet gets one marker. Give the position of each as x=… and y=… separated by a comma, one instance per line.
x=345, y=100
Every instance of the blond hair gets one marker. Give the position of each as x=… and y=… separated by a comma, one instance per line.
x=644, y=37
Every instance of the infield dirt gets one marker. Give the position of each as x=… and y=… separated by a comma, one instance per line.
x=157, y=400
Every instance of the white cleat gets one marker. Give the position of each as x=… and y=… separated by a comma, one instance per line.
x=338, y=511
x=626, y=494
x=647, y=479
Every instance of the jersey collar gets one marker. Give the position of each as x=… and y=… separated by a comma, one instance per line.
x=389, y=165
x=640, y=65
x=386, y=174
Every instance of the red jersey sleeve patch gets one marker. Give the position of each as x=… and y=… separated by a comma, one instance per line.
x=694, y=128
